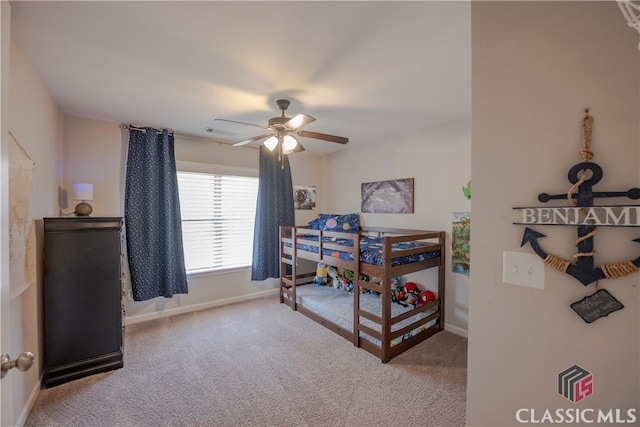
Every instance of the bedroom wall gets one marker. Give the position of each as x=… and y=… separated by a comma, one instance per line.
x=536, y=67
x=36, y=122
x=95, y=151
x=439, y=160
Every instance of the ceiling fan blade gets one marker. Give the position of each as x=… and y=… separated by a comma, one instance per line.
x=255, y=138
x=241, y=123
x=299, y=148
x=323, y=136
x=298, y=121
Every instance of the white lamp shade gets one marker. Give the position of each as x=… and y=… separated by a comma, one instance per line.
x=82, y=191
x=271, y=143
x=289, y=144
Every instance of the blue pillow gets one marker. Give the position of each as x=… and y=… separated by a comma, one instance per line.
x=349, y=223
x=318, y=223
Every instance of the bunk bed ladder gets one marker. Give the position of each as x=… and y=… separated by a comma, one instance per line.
x=287, y=283
x=356, y=291
x=385, y=355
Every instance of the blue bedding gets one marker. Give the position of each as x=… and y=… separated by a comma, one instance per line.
x=370, y=250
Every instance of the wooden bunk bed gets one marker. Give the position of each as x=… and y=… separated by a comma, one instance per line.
x=388, y=329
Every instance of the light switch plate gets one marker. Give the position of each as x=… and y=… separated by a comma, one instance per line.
x=523, y=270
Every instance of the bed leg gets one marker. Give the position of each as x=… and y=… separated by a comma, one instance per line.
x=441, y=282
x=356, y=309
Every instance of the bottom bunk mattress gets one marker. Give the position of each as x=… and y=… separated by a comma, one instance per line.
x=336, y=306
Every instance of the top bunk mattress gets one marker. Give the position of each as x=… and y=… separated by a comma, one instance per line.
x=370, y=249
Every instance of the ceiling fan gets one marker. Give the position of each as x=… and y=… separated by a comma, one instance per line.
x=282, y=131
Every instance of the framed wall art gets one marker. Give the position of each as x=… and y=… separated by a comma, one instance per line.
x=304, y=197
x=461, y=243
x=394, y=196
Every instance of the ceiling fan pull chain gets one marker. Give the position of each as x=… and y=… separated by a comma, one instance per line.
x=280, y=157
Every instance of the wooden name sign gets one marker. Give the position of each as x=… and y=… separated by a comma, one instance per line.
x=610, y=216
x=585, y=217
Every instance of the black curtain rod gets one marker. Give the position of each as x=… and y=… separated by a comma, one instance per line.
x=131, y=127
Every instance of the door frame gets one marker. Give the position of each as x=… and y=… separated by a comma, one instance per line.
x=7, y=416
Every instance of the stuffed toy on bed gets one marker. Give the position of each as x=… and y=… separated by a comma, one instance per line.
x=348, y=275
x=347, y=280
x=332, y=273
x=425, y=298
x=344, y=284
x=412, y=294
x=407, y=295
x=321, y=274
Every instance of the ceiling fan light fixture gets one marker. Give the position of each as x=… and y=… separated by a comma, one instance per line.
x=271, y=143
x=280, y=131
x=289, y=144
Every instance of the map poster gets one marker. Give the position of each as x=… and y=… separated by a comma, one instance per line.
x=461, y=243
x=22, y=241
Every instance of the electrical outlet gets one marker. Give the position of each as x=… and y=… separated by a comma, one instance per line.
x=523, y=270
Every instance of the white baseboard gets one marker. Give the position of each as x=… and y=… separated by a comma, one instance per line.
x=196, y=307
x=26, y=410
x=456, y=330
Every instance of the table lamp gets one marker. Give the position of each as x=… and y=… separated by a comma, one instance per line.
x=83, y=192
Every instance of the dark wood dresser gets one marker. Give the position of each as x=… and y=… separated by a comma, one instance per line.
x=83, y=328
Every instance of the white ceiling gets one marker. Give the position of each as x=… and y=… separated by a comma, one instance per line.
x=369, y=71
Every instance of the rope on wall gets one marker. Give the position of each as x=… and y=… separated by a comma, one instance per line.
x=619, y=269
x=557, y=263
x=587, y=154
x=610, y=271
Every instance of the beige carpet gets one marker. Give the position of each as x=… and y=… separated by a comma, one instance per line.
x=259, y=363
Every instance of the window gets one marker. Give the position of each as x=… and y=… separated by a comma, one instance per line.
x=218, y=208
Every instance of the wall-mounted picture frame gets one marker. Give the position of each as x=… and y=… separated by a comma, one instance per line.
x=393, y=196
x=461, y=243
x=304, y=197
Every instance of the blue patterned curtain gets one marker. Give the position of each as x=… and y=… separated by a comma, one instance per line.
x=274, y=208
x=152, y=217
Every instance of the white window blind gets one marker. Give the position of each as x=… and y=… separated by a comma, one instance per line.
x=218, y=213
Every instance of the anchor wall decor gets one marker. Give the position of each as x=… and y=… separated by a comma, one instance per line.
x=586, y=217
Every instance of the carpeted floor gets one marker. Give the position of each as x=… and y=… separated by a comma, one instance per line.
x=259, y=363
